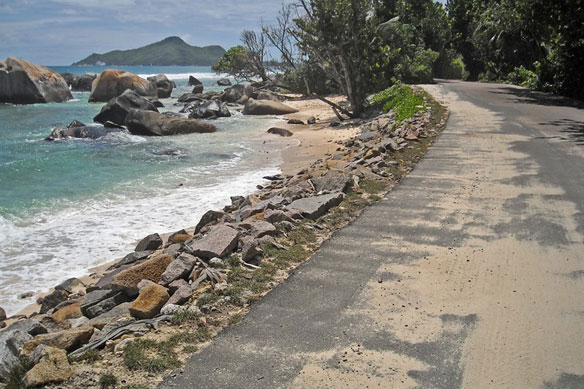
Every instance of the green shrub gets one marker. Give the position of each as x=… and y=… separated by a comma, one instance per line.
x=401, y=99
x=107, y=381
x=524, y=77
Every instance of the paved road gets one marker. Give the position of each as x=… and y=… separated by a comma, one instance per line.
x=480, y=251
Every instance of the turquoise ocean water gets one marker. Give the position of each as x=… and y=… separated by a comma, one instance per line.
x=67, y=206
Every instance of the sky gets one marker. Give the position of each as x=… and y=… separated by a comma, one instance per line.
x=60, y=32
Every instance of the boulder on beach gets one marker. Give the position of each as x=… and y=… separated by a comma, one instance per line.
x=224, y=82
x=149, y=123
x=280, y=131
x=194, y=81
x=266, y=107
x=22, y=82
x=117, y=108
x=79, y=82
x=198, y=89
x=74, y=130
x=112, y=83
x=234, y=93
x=210, y=110
x=163, y=85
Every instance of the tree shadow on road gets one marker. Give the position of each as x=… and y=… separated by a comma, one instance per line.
x=573, y=129
x=528, y=96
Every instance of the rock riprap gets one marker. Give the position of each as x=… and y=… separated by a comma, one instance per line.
x=22, y=82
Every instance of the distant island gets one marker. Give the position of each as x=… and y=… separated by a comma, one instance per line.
x=170, y=51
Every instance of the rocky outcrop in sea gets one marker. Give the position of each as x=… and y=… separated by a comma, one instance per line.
x=22, y=82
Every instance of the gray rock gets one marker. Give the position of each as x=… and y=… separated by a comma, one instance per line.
x=117, y=109
x=13, y=338
x=280, y=131
x=388, y=145
x=181, y=296
x=194, y=81
x=117, y=311
x=367, y=136
x=250, y=249
x=83, y=132
x=218, y=242
x=210, y=110
x=266, y=107
x=259, y=228
x=333, y=181
x=276, y=216
x=95, y=297
x=173, y=250
x=69, y=285
x=133, y=257
x=53, y=299
x=315, y=207
x=234, y=93
x=163, y=84
x=170, y=309
x=140, y=122
x=311, y=120
x=198, y=89
x=151, y=242
x=295, y=121
x=181, y=267
x=174, y=285
x=22, y=82
x=216, y=262
x=144, y=283
x=79, y=322
x=2, y=314
x=224, y=82
x=210, y=217
x=105, y=305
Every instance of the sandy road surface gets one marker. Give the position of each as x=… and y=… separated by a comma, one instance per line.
x=470, y=273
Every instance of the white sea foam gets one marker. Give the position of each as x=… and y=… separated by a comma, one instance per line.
x=185, y=76
x=49, y=247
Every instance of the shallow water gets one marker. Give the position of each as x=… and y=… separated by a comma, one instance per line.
x=66, y=206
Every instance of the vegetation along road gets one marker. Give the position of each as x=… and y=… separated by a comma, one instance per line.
x=470, y=273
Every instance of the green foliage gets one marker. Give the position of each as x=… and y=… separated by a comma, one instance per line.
x=138, y=356
x=207, y=299
x=233, y=61
x=108, y=381
x=400, y=99
x=170, y=51
x=184, y=316
x=524, y=77
x=156, y=357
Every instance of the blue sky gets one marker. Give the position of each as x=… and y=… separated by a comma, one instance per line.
x=60, y=32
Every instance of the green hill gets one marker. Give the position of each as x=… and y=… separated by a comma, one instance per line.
x=170, y=51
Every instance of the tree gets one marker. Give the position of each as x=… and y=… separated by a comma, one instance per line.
x=245, y=62
x=340, y=37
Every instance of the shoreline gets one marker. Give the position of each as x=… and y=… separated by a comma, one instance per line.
x=274, y=234
x=309, y=143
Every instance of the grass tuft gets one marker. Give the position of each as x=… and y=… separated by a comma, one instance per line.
x=108, y=381
x=401, y=99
